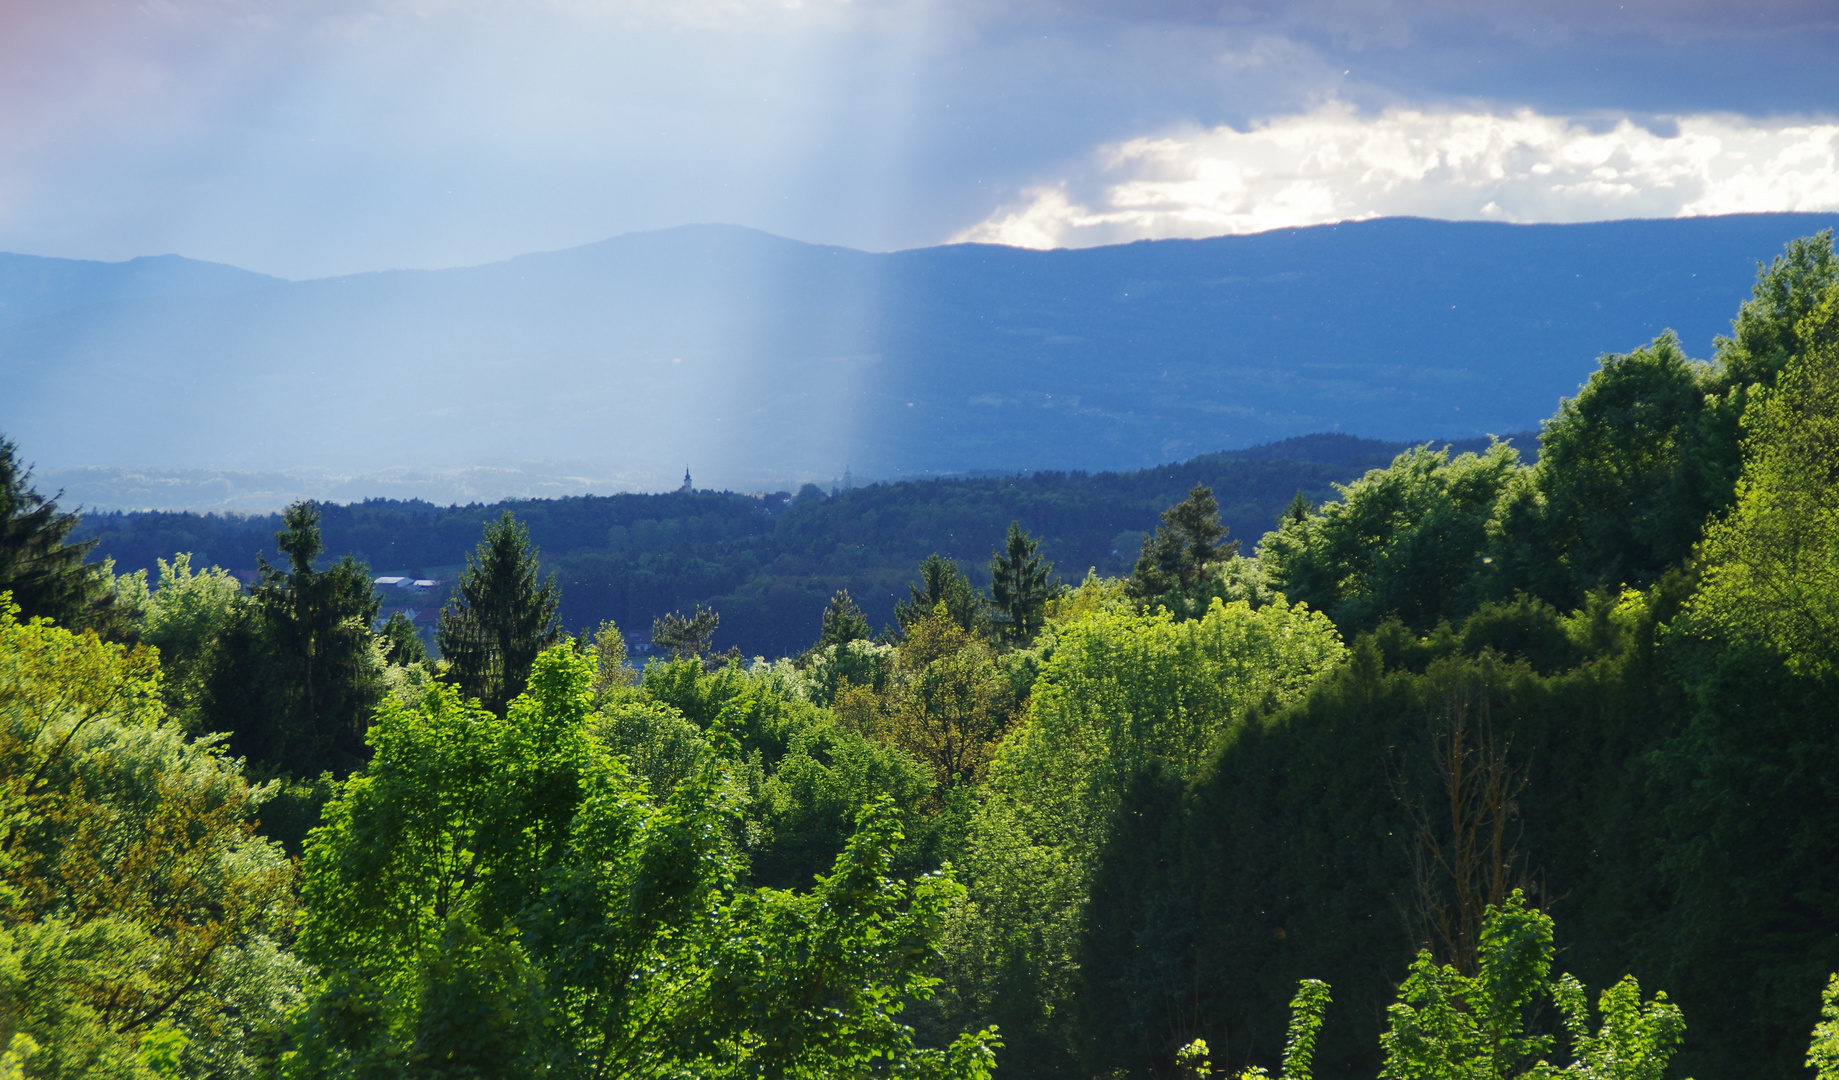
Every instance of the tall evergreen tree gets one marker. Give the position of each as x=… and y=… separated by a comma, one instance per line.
x=1021, y=583
x=502, y=617
x=298, y=676
x=843, y=622
x=941, y=582
x=44, y=571
x=1189, y=540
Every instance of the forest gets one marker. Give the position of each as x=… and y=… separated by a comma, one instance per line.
x=1476, y=764
x=769, y=563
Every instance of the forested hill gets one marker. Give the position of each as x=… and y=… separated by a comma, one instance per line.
x=763, y=361
x=770, y=565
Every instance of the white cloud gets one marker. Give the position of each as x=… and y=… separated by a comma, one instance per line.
x=1333, y=164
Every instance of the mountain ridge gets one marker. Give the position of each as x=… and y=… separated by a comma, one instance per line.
x=757, y=358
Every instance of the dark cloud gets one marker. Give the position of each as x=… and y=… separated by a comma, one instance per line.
x=317, y=136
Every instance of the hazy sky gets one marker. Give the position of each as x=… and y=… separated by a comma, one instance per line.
x=314, y=137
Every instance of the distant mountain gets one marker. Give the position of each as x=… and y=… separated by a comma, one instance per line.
x=761, y=361
x=31, y=287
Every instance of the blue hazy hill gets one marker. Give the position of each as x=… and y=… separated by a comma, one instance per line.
x=762, y=360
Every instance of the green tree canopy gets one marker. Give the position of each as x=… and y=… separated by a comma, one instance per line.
x=941, y=582
x=1771, y=567
x=1407, y=541
x=501, y=616
x=500, y=897
x=843, y=622
x=1122, y=695
x=684, y=638
x=1622, y=470
x=39, y=566
x=1179, y=566
x=1021, y=584
x=138, y=912
x=296, y=677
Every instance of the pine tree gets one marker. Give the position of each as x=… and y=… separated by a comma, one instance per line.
x=44, y=571
x=1174, y=560
x=843, y=622
x=501, y=618
x=1021, y=583
x=299, y=675
x=685, y=638
x=941, y=582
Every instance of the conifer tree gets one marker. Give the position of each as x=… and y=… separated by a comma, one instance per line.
x=500, y=619
x=1021, y=583
x=843, y=622
x=941, y=582
x=401, y=642
x=685, y=638
x=44, y=571
x=1188, y=541
x=295, y=678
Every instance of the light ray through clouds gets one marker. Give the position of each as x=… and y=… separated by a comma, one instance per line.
x=1332, y=164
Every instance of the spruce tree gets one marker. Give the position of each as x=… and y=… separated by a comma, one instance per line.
x=1173, y=562
x=843, y=622
x=941, y=582
x=44, y=571
x=500, y=619
x=298, y=676
x=1021, y=583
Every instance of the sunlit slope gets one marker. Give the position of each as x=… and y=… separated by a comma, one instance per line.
x=755, y=358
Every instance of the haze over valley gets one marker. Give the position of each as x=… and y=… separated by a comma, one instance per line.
x=765, y=363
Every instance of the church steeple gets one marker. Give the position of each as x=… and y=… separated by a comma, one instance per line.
x=686, y=479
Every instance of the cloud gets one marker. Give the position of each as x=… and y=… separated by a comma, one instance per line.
x=1334, y=164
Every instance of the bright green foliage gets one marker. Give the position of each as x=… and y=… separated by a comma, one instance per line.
x=860, y=663
x=610, y=670
x=1451, y=1026
x=949, y=702
x=1305, y=1020
x=843, y=622
x=1405, y=542
x=1772, y=566
x=186, y=616
x=1823, y=1051
x=500, y=896
x=501, y=617
x=941, y=582
x=1122, y=695
x=1634, y=1042
x=1021, y=584
x=1622, y=474
x=805, y=774
x=137, y=910
x=1767, y=333
x=43, y=571
x=1306, y=1010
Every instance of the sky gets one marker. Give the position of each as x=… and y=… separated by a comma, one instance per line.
x=308, y=138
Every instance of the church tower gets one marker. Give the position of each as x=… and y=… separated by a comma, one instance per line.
x=686, y=479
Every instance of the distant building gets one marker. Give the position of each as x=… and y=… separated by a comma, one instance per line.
x=392, y=582
x=686, y=480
